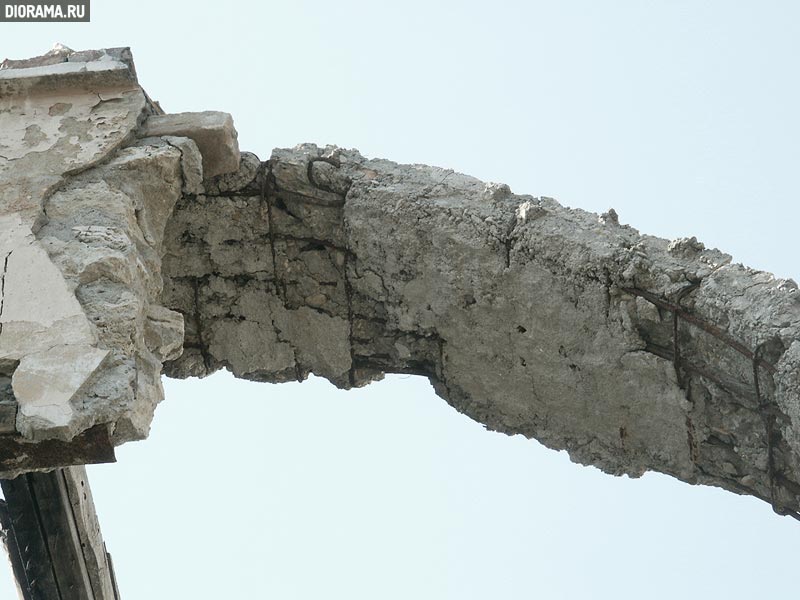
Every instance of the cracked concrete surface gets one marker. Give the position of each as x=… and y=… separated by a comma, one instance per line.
x=82, y=212
x=631, y=352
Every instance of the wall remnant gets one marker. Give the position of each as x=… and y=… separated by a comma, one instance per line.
x=83, y=205
x=631, y=352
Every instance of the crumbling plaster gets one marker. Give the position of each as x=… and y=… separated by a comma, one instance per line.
x=84, y=204
x=631, y=352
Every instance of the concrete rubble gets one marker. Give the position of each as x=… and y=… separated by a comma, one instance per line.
x=83, y=206
x=133, y=239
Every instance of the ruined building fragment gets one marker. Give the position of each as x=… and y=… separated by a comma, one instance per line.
x=133, y=241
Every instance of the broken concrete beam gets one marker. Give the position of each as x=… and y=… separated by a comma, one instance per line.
x=212, y=131
x=630, y=352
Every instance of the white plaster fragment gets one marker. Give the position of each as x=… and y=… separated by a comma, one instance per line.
x=45, y=384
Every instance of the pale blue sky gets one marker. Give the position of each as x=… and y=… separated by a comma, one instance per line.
x=682, y=115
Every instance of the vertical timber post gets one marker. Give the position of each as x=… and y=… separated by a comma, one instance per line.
x=53, y=537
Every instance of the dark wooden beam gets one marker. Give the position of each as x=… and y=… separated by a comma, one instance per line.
x=91, y=447
x=9, y=540
x=53, y=537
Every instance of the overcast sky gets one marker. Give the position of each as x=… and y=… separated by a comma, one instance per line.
x=682, y=115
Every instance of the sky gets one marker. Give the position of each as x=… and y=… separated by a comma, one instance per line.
x=681, y=114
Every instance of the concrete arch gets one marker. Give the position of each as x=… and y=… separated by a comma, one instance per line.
x=633, y=353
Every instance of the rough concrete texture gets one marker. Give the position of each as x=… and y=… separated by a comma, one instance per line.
x=212, y=131
x=631, y=352
x=83, y=206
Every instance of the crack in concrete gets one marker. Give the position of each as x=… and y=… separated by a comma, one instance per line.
x=393, y=274
x=3, y=287
x=198, y=322
x=268, y=190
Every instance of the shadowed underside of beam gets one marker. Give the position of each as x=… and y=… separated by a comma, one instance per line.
x=631, y=352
